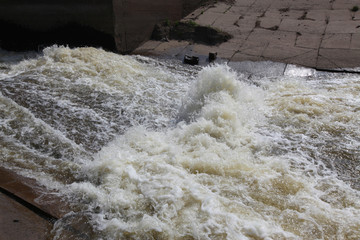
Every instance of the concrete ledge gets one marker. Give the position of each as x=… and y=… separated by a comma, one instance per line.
x=27, y=210
x=320, y=35
x=32, y=193
x=18, y=222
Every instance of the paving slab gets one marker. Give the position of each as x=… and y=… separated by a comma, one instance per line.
x=195, y=14
x=260, y=36
x=307, y=59
x=340, y=58
x=326, y=63
x=284, y=38
x=219, y=8
x=291, y=13
x=289, y=25
x=208, y=18
x=224, y=53
x=236, y=31
x=244, y=3
x=344, y=4
x=309, y=40
x=238, y=9
x=280, y=5
x=240, y=57
x=318, y=4
x=200, y=49
x=226, y=20
x=170, y=48
x=309, y=26
x=355, y=41
x=317, y=14
x=254, y=48
x=338, y=41
x=356, y=15
x=233, y=45
x=340, y=15
x=349, y=26
x=261, y=6
x=246, y=23
x=273, y=13
x=269, y=23
x=283, y=53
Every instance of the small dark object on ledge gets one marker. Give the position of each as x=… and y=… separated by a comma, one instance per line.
x=212, y=57
x=192, y=60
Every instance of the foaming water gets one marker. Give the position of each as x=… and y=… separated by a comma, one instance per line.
x=186, y=153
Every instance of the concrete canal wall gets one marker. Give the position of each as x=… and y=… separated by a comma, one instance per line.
x=113, y=24
x=134, y=20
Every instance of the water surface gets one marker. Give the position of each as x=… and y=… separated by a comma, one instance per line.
x=149, y=149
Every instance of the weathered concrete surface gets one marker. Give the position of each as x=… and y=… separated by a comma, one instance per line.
x=18, y=222
x=27, y=210
x=322, y=34
x=134, y=20
x=31, y=192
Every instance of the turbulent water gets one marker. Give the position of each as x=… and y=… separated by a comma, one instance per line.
x=148, y=149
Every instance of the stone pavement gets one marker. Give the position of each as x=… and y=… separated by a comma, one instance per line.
x=322, y=34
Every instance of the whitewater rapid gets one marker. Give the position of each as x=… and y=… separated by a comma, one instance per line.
x=148, y=149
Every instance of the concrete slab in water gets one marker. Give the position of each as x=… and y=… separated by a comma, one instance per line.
x=18, y=222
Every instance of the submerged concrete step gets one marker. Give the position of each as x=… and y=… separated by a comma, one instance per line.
x=18, y=222
x=27, y=210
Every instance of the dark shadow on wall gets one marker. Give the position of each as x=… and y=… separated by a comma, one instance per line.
x=191, y=5
x=17, y=38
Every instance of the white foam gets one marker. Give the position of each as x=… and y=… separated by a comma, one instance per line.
x=242, y=162
x=213, y=176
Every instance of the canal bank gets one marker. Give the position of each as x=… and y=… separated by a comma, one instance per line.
x=324, y=35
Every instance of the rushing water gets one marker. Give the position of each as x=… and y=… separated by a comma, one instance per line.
x=147, y=149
